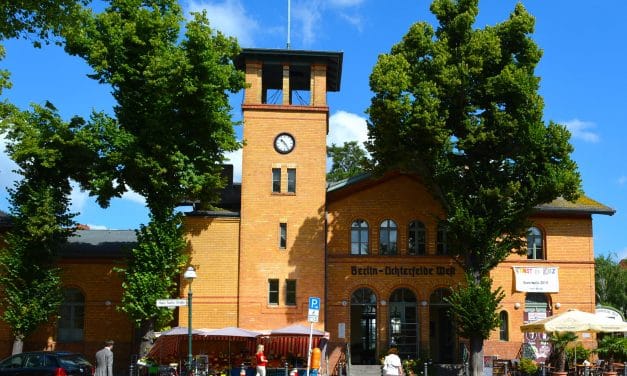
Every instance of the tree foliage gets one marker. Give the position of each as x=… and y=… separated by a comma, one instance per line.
x=347, y=160
x=610, y=283
x=460, y=107
x=172, y=112
x=148, y=276
x=41, y=18
x=170, y=131
x=474, y=307
x=39, y=142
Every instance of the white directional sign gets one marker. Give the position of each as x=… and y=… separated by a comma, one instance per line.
x=171, y=302
x=314, y=309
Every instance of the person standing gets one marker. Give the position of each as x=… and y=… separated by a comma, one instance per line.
x=392, y=365
x=261, y=361
x=104, y=360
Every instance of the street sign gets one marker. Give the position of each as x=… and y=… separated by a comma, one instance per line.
x=171, y=302
x=314, y=303
x=314, y=309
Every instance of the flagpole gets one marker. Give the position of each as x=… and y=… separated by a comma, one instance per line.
x=289, y=21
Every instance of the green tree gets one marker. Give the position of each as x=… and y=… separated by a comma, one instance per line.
x=171, y=128
x=460, y=107
x=38, y=141
x=610, y=283
x=348, y=160
x=41, y=18
x=560, y=341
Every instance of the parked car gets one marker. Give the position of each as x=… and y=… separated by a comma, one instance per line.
x=46, y=363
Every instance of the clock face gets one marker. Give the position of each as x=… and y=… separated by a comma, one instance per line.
x=284, y=143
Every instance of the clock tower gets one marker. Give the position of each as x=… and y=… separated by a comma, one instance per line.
x=282, y=228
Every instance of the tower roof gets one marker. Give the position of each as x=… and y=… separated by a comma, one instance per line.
x=332, y=60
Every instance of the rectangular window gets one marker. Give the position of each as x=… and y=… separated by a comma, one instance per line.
x=273, y=291
x=290, y=292
x=276, y=180
x=283, y=235
x=291, y=180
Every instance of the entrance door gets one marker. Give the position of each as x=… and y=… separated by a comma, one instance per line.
x=442, y=335
x=363, y=327
x=404, y=323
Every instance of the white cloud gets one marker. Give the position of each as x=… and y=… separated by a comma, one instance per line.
x=345, y=126
x=581, y=130
x=230, y=17
x=133, y=196
x=97, y=227
x=78, y=198
x=6, y=167
x=309, y=15
x=345, y=3
x=622, y=180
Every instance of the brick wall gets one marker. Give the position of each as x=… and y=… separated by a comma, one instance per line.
x=214, y=251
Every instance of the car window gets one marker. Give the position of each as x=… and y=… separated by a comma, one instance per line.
x=12, y=362
x=51, y=360
x=34, y=361
x=73, y=360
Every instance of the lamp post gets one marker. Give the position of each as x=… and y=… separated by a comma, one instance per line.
x=189, y=275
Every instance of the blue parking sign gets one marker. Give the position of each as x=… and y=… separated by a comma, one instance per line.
x=314, y=303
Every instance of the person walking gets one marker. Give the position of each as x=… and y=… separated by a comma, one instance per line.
x=104, y=360
x=261, y=361
x=392, y=365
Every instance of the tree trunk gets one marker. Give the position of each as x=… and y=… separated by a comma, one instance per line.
x=476, y=355
x=147, y=334
x=18, y=345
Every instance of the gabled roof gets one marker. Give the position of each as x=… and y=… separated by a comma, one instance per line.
x=99, y=244
x=583, y=205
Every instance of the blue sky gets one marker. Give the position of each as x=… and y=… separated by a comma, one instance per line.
x=582, y=71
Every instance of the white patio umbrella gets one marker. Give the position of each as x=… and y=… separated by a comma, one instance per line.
x=574, y=320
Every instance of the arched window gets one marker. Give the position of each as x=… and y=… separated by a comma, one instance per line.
x=503, y=328
x=71, y=316
x=416, y=239
x=359, y=237
x=387, y=237
x=535, y=247
x=442, y=245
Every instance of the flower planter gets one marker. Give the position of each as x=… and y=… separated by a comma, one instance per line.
x=559, y=373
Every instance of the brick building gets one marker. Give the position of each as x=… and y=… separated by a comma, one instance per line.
x=371, y=248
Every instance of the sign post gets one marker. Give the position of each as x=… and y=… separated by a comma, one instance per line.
x=312, y=316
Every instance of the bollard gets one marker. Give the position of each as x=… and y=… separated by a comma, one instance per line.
x=543, y=367
x=466, y=369
x=131, y=370
x=242, y=371
x=586, y=371
x=625, y=369
x=286, y=369
x=426, y=365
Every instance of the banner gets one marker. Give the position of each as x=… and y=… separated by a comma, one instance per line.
x=536, y=279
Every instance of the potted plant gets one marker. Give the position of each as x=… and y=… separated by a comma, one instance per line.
x=559, y=341
x=528, y=367
x=612, y=349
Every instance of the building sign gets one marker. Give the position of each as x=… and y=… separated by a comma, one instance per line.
x=403, y=271
x=536, y=279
